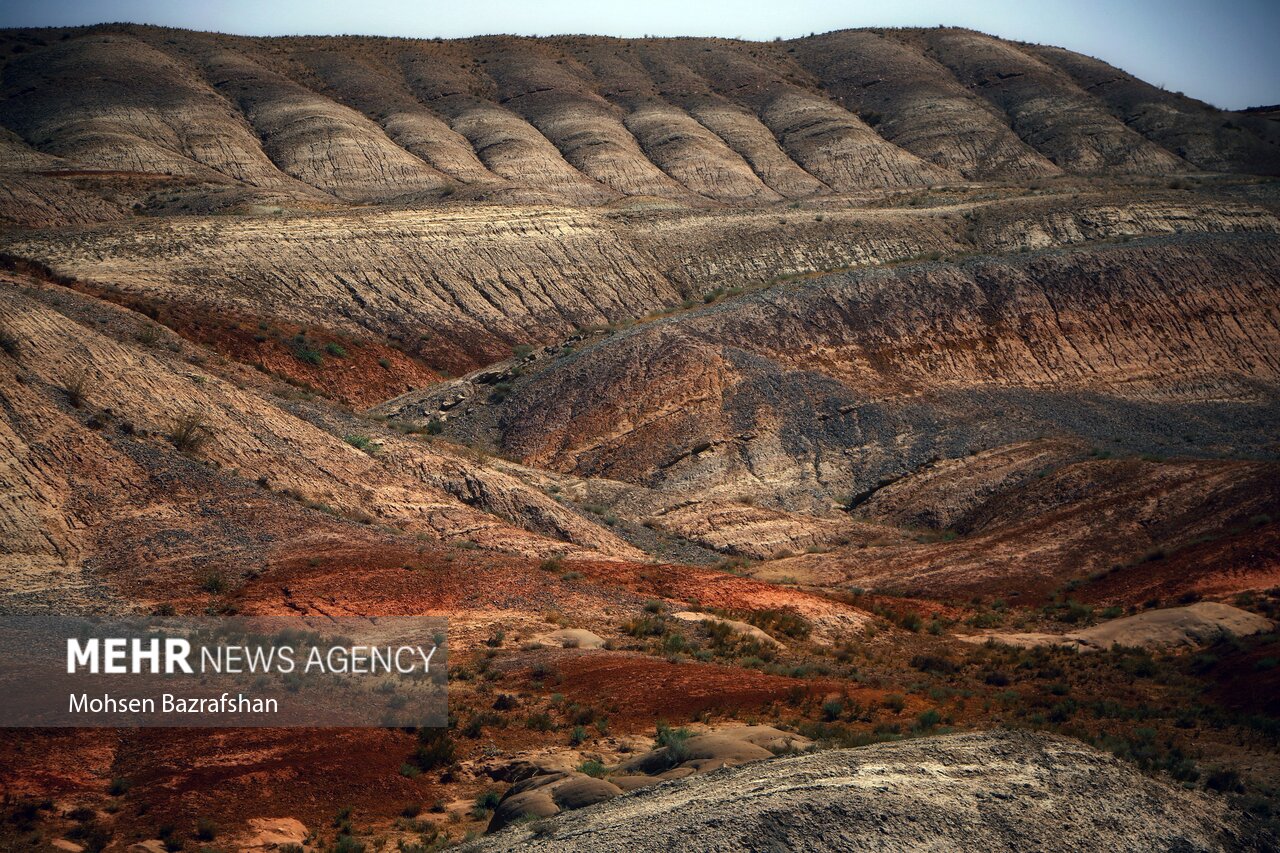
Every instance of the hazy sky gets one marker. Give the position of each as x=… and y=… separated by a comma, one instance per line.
x=1227, y=52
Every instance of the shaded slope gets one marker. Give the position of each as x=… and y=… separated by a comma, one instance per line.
x=1202, y=135
x=1044, y=106
x=804, y=393
x=916, y=103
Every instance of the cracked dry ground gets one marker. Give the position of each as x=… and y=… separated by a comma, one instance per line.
x=764, y=384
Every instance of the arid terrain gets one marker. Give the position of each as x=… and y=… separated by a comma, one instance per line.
x=862, y=441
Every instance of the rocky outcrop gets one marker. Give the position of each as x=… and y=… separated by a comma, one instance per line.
x=995, y=790
x=541, y=791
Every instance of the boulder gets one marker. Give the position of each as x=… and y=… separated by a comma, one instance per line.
x=546, y=795
x=270, y=833
x=569, y=638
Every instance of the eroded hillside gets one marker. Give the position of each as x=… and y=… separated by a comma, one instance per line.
x=108, y=119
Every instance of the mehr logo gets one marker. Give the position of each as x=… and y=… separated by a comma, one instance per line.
x=172, y=655
x=251, y=670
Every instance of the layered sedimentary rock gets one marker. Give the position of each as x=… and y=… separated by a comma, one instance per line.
x=588, y=120
x=805, y=392
x=463, y=285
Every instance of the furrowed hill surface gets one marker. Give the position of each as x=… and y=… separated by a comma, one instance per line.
x=123, y=116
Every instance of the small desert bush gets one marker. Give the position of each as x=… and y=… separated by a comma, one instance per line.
x=206, y=830
x=645, y=626
x=933, y=663
x=361, y=442
x=539, y=722
x=675, y=742
x=8, y=342
x=928, y=719
x=78, y=387
x=435, y=749
x=214, y=583
x=188, y=432
x=592, y=768
x=486, y=802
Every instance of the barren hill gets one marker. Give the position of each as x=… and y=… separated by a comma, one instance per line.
x=225, y=121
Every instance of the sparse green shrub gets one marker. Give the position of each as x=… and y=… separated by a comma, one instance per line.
x=593, y=768
x=673, y=643
x=933, y=663
x=303, y=350
x=336, y=350
x=645, y=626
x=928, y=719
x=347, y=844
x=1224, y=781
x=485, y=803
x=674, y=740
x=539, y=722
x=361, y=442
x=783, y=622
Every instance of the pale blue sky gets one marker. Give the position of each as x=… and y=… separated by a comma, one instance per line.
x=1227, y=53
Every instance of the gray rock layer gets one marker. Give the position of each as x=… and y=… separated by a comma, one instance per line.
x=989, y=791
